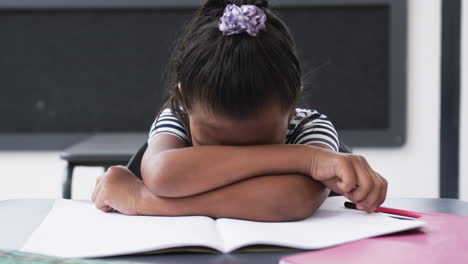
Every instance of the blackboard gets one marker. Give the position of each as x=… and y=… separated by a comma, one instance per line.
x=101, y=70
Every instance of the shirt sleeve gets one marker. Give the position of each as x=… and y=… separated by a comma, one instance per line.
x=167, y=123
x=317, y=129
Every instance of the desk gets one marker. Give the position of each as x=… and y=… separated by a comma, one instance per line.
x=100, y=150
x=20, y=217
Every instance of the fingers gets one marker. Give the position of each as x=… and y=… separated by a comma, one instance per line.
x=97, y=187
x=379, y=192
x=346, y=173
x=372, y=189
x=365, y=182
x=103, y=206
x=123, y=210
x=97, y=196
x=383, y=194
x=370, y=204
x=112, y=191
x=101, y=202
x=109, y=203
x=378, y=195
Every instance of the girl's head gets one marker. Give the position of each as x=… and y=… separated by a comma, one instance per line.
x=235, y=89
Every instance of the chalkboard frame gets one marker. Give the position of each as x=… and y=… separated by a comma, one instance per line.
x=394, y=136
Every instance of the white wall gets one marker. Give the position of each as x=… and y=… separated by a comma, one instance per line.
x=464, y=106
x=413, y=170
x=39, y=175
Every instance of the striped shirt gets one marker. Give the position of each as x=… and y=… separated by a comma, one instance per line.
x=306, y=127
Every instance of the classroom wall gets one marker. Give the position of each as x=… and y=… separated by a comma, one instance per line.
x=413, y=170
x=464, y=106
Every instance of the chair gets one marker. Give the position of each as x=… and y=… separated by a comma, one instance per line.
x=134, y=165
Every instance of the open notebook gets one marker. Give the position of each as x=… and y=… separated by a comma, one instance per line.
x=78, y=229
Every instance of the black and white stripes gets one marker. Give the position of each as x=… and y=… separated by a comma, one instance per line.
x=309, y=126
x=167, y=123
x=306, y=127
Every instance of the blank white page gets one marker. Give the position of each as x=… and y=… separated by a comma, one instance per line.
x=331, y=225
x=78, y=229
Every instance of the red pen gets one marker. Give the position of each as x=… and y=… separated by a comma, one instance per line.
x=387, y=210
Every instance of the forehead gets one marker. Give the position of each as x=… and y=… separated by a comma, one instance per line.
x=266, y=126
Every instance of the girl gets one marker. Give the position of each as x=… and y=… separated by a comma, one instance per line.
x=230, y=142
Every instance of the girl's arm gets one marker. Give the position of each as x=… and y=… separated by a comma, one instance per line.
x=171, y=170
x=265, y=198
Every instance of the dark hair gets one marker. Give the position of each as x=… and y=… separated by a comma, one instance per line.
x=233, y=75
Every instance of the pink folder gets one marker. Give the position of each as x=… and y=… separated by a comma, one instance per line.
x=443, y=240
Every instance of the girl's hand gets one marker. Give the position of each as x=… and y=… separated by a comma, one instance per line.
x=118, y=188
x=351, y=176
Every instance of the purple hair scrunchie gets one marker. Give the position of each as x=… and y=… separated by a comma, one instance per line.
x=246, y=18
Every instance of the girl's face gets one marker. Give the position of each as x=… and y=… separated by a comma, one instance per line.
x=268, y=126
